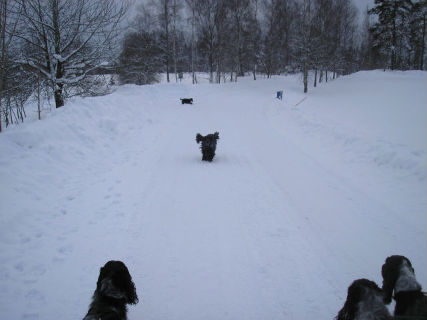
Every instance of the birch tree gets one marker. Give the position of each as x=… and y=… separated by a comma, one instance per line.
x=192, y=6
x=205, y=15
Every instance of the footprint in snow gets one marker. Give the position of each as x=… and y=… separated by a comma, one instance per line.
x=19, y=267
x=35, y=295
x=30, y=316
x=65, y=250
x=25, y=239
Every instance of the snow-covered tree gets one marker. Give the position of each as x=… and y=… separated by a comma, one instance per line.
x=207, y=35
x=65, y=40
x=303, y=44
x=254, y=36
x=418, y=35
x=140, y=60
x=391, y=32
x=279, y=30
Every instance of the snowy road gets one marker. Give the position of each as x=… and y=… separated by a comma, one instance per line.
x=293, y=208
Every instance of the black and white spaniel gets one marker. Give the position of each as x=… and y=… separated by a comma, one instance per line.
x=114, y=290
x=399, y=277
x=208, y=146
x=364, y=302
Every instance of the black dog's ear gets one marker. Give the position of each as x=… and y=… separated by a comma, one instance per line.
x=216, y=135
x=132, y=297
x=123, y=280
x=199, y=138
x=102, y=275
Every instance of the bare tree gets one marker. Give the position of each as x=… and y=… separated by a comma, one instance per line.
x=279, y=29
x=192, y=6
x=164, y=15
x=66, y=40
x=205, y=11
x=175, y=16
x=10, y=15
x=303, y=41
x=239, y=10
x=221, y=18
x=254, y=31
x=140, y=59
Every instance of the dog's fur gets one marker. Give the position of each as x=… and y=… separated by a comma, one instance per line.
x=187, y=100
x=208, y=146
x=364, y=301
x=399, y=277
x=114, y=290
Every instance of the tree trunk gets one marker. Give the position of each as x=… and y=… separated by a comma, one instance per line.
x=3, y=14
x=211, y=71
x=1, y=111
x=59, y=99
x=38, y=97
x=305, y=72
x=424, y=43
x=239, y=53
x=394, y=39
x=166, y=12
x=315, y=78
x=174, y=40
x=192, y=45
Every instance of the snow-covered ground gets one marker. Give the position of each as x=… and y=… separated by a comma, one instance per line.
x=304, y=196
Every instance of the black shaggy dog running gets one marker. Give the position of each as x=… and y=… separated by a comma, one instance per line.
x=208, y=146
x=364, y=302
x=186, y=100
x=114, y=290
x=399, y=277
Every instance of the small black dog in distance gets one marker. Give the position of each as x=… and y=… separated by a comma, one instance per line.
x=114, y=290
x=186, y=100
x=208, y=146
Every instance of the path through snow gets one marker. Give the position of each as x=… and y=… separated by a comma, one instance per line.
x=294, y=207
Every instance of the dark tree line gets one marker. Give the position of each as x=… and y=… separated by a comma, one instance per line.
x=59, y=46
x=398, y=37
x=230, y=38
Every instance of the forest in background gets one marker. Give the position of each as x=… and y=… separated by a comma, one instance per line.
x=57, y=49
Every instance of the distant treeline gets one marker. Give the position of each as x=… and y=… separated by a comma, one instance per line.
x=57, y=47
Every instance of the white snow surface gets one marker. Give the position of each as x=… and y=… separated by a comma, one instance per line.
x=302, y=198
